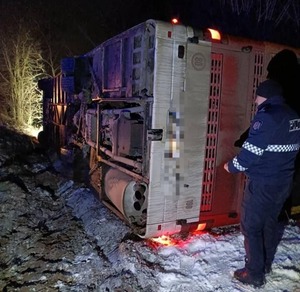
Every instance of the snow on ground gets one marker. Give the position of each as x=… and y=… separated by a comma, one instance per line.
x=207, y=263
x=199, y=262
x=56, y=236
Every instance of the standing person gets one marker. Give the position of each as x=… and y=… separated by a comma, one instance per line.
x=267, y=157
x=285, y=69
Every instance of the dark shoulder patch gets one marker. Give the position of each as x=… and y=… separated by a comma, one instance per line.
x=256, y=125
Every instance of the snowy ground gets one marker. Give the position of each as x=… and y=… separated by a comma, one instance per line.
x=199, y=262
x=56, y=236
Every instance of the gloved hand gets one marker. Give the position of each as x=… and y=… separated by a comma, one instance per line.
x=242, y=139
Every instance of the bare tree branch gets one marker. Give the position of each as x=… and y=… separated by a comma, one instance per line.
x=22, y=66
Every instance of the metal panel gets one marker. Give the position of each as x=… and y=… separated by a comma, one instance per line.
x=112, y=66
x=180, y=108
x=194, y=103
x=123, y=66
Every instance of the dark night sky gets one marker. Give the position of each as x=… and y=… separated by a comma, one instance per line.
x=77, y=26
x=280, y=23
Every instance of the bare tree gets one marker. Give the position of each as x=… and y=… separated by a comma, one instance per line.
x=279, y=11
x=21, y=66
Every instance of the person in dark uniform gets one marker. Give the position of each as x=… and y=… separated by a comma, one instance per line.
x=285, y=69
x=267, y=157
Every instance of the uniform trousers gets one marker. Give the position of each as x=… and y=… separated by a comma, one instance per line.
x=261, y=206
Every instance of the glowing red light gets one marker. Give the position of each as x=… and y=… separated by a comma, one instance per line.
x=178, y=240
x=175, y=21
x=163, y=240
x=199, y=229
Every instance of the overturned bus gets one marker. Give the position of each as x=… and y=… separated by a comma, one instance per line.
x=155, y=111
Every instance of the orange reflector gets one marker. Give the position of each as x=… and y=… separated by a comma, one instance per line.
x=215, y=35
x=201, y=227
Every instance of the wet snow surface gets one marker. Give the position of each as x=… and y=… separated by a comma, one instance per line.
x=56, y=236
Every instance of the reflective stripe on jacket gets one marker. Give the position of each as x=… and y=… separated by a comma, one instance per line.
x=272, y=145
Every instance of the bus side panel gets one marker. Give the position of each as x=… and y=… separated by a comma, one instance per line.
x=234, y=79
x=176, y=166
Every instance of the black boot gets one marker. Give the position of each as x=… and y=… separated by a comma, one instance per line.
x=243, y=276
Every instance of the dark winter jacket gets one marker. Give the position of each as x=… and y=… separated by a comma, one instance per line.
x=269, y=152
